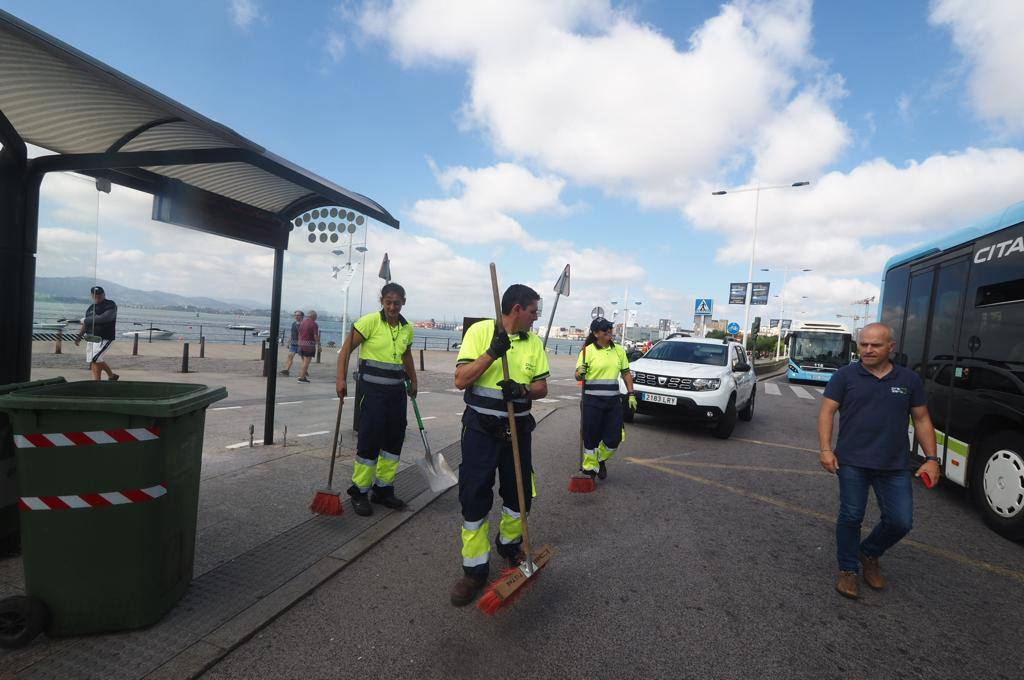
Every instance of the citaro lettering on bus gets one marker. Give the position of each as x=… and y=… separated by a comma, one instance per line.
x=1001, y=249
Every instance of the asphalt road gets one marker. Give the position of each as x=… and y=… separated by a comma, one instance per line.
x=697, y=558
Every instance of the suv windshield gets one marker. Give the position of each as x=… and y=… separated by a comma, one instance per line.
x=690, y=352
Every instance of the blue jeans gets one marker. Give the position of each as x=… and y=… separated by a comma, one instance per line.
x=895, y=501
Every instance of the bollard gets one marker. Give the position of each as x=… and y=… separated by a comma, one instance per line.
x=421, y=361
x=135, y=345
x=448, y=345
x=263, y=351
x=318, y=350
x=252, y=431
x=202, y=346
x=57, y=348
x=184, y=358
x=284, y=439
x=151, y=331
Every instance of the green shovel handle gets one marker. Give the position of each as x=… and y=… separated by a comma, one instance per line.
x=415, y=406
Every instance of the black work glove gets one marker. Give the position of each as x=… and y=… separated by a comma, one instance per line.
x=511, y=390
x=500, y=343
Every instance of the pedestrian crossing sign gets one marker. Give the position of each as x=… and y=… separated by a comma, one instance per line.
x=703, y=307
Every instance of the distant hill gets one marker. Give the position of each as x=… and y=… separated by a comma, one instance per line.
x=76, y=289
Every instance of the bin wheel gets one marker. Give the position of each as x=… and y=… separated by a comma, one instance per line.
x=21, y=619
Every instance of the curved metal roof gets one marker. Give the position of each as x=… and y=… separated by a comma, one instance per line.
x=98, y=119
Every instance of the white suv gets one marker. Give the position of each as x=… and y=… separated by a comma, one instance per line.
x=703, y=380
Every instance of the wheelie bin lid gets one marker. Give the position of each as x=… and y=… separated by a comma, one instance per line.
x=14, y=387
x=153, y=399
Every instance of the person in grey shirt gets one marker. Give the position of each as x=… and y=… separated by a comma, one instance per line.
x=99, y=323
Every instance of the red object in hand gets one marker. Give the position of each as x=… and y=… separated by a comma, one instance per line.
x=928, y=483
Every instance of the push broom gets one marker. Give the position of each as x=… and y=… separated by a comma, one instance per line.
x=327, y=501
x=501, y=592
x=580, y=482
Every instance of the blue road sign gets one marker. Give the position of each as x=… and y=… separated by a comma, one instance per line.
x=733, y=328
x=703, y=306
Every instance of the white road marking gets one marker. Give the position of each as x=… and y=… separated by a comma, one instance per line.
x=428, y=417
x=569, y=396
x=772, y=389
x=547, y=401
x=240, y=445
x=821, y=390
x=423, y=392
x=287, y=403
x=313, y=434
x=225, y=408
x=801, y=392
x=452, y=389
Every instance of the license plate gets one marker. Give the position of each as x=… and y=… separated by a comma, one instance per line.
x=657, y=398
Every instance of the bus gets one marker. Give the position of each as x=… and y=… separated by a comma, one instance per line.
x=956, y=307
x=817, y=349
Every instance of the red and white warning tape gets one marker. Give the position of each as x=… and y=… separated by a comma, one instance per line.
x=91, y=500
x=139, y=434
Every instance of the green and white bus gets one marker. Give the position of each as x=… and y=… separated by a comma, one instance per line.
x=956, y=307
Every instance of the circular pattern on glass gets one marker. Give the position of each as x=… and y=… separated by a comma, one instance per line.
x=322, y=226
x=334, y=238
x=351, y=216
x=331, y=226
x=334, y=212
x=312, y=238
x=323, y=238
x=351, y=228
x=298, y=221
x=359, y=219
x=305, y=218
x=316, y=214
x=311, y=226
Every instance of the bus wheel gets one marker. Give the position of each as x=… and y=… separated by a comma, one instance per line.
x=997, y=483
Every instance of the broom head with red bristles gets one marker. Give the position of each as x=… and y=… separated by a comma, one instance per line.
x=581, y=483
x=327, y=502
x=511, y=584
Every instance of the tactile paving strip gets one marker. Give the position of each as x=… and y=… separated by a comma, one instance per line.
x=211, y=600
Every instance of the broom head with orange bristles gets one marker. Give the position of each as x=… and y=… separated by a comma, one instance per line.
x=581, y=483
x=503, y=591
x=327, y=502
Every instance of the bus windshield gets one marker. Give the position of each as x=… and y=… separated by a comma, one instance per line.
x=690, y=352
x=827, y=349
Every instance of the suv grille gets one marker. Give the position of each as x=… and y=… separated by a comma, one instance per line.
x=670, y=382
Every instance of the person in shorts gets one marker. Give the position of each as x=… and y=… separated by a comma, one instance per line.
x=309, y=341
x=98, y=324
x=293, y=341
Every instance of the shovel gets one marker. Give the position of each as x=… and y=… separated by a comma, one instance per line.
x=435, y=468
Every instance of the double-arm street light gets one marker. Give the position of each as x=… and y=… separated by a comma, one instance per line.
x=625, y=313
x=753, y=241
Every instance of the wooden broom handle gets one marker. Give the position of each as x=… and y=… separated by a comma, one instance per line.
x=520, y=493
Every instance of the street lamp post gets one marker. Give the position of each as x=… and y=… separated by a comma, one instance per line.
x=782, y=299
x=625, y=313
x=753, y=242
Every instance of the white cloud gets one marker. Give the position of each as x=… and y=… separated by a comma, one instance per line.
x=587, y=92
x=244, y=13
x=903, y=107
x=486, y=198
x=988, y=36
x=335, y=46
x=800, y=141
x=830, y=225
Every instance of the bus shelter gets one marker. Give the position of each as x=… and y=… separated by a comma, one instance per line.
x=101, y=123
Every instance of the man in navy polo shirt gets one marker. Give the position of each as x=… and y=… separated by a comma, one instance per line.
x=874, y=399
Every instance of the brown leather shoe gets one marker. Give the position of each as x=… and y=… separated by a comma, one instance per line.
x=847, y=585
x=466, y=589
x=872, y=571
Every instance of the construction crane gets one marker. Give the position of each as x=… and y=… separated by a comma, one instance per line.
x=867, y=302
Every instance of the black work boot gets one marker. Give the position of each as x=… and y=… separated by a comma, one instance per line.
x=387, y=498
x=360, y=503
x=602, y=471
x=467, y=588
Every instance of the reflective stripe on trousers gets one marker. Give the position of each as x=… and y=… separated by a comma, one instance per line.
x=476, y=548
x=362, y=473
x=510, y=531
x=387, y=468
x=590, y=460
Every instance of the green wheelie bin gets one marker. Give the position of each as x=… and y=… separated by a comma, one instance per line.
x=108, y=476
x=9, y=534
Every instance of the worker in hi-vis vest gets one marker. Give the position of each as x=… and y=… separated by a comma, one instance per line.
x=599, y=366
x=486, y=437
x=384, y=339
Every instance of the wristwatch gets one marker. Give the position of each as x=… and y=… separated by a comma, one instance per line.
x=934, y=458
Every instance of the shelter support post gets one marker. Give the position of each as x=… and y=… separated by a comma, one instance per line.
x=271, y=357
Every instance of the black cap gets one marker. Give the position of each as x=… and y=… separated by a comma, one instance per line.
x=97, y=289
x=601, y=324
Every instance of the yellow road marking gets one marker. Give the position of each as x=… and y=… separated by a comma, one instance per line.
x=935, y=551
x=781, y=446
x=725, y=466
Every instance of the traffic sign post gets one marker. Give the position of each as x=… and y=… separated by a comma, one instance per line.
x=733, y=328
x=703, y=307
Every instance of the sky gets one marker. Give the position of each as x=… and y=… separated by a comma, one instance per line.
x=540, y=133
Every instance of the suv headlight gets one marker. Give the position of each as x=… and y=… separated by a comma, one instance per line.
x=702, y=384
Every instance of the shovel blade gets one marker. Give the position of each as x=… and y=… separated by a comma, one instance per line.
x=439, y=476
